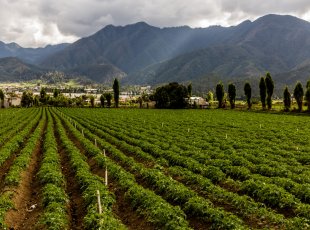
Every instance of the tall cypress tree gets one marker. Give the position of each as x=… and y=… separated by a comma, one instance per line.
x=219, y=91
x=232, y=95
x=307, y=96
x=262, y=92
x=189, y=90
x=287, y=99
x=116, y=92
x=248, y=94
x=270, y=87
x=298, y=95
x=2, y=98
x=102, y=98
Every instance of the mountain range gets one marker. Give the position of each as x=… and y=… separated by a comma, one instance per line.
x=144, y=54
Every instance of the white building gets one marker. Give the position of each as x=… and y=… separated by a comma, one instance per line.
x=199, y=101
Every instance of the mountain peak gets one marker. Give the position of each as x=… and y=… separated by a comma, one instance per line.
x=13, y=45
x=141, y=24
x=285, y=20
x=135, y=25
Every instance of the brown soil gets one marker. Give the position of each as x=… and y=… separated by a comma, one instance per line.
x=27, y=194
x=76, y=210
x=197, y=224
x=121, y=207
x=5, y=169
x=7, y=164
x=125, y=212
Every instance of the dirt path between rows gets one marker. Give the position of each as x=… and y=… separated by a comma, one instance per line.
x=27, y=195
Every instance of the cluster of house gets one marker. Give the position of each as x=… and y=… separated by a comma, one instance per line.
x=13, y=96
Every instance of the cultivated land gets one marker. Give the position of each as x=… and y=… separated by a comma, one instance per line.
x=167, y=169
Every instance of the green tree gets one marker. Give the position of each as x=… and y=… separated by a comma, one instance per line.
x=171, y=96
x=60, y=100
x=308, y=97
x=219, y=91
x=43, y=93
x=298, y=95
x=189, y=90
x=102, y=98
x=269, y=87
x=56, y=93
x=2, y=98
x=140, y=101
x=308, y=84
x=262, y=92
x=78, y=101
x=116, y=92
x=248, y=94
x=43, y=96
x=209, y=96
x=92, y=101
x=36, y=101
x=232, y=95
x=84, y=97
x=27, y=99
x=161, y=98
x=108, y=97
x=287, y=99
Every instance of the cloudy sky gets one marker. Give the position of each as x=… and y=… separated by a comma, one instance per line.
x=36, y=23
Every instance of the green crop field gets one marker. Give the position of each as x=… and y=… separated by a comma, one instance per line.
x=153, y=169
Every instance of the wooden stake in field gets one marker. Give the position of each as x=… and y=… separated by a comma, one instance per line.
x=95, y=142
x=83, y=132
x=75, y=124
x=99, y=202
x=106, y=170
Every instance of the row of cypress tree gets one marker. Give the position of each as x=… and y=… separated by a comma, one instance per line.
x=266, y=87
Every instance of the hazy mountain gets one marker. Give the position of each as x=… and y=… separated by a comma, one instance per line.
x=271, y=43
x=29, y=55
x=13, y=69
x=101, y=73
x=151, y=55
x=136, y=46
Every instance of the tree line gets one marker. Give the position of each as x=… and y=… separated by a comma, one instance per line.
x=58, y=99
x=266, y=88
x=175, y=96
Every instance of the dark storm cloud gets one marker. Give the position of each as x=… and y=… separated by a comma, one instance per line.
x=41, y=22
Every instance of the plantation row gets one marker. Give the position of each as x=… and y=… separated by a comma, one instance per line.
x=151, y=169
x=251, y=181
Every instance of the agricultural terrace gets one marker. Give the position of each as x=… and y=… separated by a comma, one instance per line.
x=74, y=168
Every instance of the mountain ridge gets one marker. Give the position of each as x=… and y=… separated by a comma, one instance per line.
x=29, y=55
x=152, y=55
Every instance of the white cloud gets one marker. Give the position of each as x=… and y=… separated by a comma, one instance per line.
x=33, y=23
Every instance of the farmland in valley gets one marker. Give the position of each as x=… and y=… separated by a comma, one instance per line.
x=165, y=169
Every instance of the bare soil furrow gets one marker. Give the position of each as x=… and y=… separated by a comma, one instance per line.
x=27, y=199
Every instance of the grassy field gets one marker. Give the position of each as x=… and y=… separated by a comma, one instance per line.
x=153, y=169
